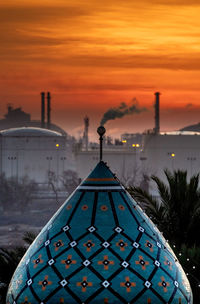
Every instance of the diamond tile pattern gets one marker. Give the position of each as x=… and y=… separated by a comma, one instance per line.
x=99, y=248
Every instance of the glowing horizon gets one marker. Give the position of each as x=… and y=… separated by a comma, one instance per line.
x=94, y=56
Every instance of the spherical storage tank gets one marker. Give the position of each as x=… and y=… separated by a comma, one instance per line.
x=99, y=247
x=33, y=152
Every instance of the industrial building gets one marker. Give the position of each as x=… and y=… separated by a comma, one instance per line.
x=40, y=153
x=46, y=149
x=32, y=152
x=143, y=155
x=16, y=117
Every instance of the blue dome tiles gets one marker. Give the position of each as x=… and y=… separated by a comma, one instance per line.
x=99, y=247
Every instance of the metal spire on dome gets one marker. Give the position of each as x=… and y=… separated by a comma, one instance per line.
x=101, y=131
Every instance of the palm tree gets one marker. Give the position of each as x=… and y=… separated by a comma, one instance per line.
x=177, y=210
x=29, y=237
x=9, y=259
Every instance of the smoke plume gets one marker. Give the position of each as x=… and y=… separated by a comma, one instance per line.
x=121, y=111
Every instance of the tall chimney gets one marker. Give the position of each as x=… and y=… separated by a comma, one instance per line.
x=85, y=135
x=42, y=110
x=48, y=110
x=157, y=113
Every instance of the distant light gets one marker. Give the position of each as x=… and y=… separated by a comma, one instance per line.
x=133, y=145
x=57, y=145
x=173, y=155
x=124, y=141
x=137, y=145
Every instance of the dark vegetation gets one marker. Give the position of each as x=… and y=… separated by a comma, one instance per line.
x=176, y=213
x=68, y=181
x=9, y=259
x=16, y=193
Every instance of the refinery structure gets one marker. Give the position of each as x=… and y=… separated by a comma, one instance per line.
x=39, y=148
x=138, y=156
x=33, y=152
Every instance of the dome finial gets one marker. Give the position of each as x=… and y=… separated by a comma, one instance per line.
x=101, y=131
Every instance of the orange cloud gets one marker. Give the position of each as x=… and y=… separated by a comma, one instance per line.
x=99, y=53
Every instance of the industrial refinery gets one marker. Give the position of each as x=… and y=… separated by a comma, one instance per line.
x=138, y=156
x=40, y=148
x=36, y=149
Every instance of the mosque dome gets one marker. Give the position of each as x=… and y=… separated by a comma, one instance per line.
x=99, y=247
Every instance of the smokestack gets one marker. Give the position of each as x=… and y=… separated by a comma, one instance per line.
x=42, y=110
x=157, y=113
x=48, y=110
x=85, y=135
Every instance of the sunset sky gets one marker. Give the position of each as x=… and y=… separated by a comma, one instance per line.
x=92, y=55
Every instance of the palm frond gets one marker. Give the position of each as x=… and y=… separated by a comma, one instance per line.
x=151, y=206
x=163, y=191
x=29, y=237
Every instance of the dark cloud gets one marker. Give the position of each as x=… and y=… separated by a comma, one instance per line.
x=40, y=14
x=176, y=2
x=189, y=105
x=20, y=39
x=176, y=62
x=26, y=29
x=71, y=86
x=131, y=3
x=186, y=62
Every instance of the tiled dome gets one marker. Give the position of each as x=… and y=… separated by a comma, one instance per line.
x=99, y=247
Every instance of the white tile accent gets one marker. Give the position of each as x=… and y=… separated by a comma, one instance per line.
x=51, y=262
x=106, y=244
x=147, y=284
x=105, y=284
x=141, y=229
x=118, y=229
x=73, y=244
x=125, y=264
x=29, y=282
x=63, y=283
x=136, y=245
x=176, y=284
x=86, y=263
x=91, y=229
x=157, y=263
x=47, y=243
x=159, y=245
x=65, y=228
